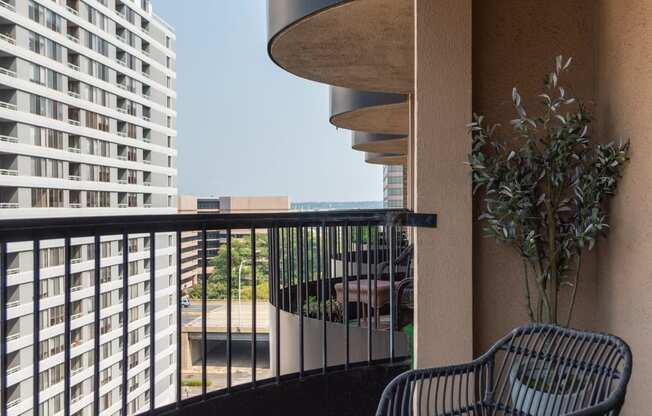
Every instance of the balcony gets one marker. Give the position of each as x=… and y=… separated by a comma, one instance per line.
x=301, y=267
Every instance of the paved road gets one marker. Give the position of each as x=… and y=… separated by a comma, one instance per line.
x=193, y=312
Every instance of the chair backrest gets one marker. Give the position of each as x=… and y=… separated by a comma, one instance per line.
x=536, y=370
x=549, y=370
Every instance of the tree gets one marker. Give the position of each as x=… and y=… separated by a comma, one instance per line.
x=545, y=191
x=241, y=262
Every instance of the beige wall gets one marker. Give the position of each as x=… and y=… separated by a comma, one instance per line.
x=443, y=256
x=624, y=86
x=186, y=204
x=251, y=204
x=514, y=44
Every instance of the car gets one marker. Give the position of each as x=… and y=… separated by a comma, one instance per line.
x=185, y=302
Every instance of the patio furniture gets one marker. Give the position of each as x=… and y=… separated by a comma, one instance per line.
x=535, y=370
x=380, y=289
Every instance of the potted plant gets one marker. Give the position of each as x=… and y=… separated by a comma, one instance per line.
x=543, y=194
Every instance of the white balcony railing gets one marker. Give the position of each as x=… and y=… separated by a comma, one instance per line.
x=72, y=38
x=8, y=72
x=7, y=38
x=73, y=11
x=147, y=96
x=120, y=157
x=14, y=369
x=122, y=110
x=12, y=337
x=122, y=86
x=76, y=178
x=147, y=162
x=146, y=74
x=14, y=270
x=122, y=62
x=13, y=304
x=147, y=206
x=8, y=172
x=145, y=52
x=147, y=118
x=74, y=150
x=123, y=182
x=122, y=134
x=74, y=94
x=9, y=205
x=75, y=205
x=9, y=106
x=7, y=6
x=74, y=122
x=123, y=205
x=73, y=66
x=147, y=140
x=8, y=139
x=147, y=184
x=13, y=403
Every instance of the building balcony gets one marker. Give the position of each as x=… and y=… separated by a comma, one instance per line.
x=372, y=48
x=320, y=322
x=370, y=112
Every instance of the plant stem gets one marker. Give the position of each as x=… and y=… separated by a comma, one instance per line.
x=527, y=292
x=574, y=292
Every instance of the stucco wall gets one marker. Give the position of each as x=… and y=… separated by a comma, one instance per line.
x=624, y=85
x=514, y=44
x=443, y=301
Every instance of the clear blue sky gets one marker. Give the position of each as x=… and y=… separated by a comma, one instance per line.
x=247, y=127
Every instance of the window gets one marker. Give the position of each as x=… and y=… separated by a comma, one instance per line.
x=46, y=77
x=46, y=47
x=52, y=316
x=46, y=137
x=47, y=198
x=98, y=199
x=97, y=121
x=45, y=107
x=47, y=168
x=97, y=44
x=51, y=346
x=44, y=16
x=168, y=62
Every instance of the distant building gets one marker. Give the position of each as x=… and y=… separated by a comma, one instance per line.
x=394, y=187
x=191, y=242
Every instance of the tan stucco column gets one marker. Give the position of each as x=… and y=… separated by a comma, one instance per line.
x=442, y=104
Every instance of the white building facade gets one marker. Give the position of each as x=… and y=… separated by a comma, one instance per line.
x=88, y=127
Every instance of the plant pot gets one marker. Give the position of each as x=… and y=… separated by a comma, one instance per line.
x=536, y=402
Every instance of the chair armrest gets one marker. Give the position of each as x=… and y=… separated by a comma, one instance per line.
x=435, y=391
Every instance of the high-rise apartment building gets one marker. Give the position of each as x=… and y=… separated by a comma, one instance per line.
x=87, y=127
x=394, y=186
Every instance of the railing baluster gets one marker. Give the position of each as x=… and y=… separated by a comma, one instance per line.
x=125, y=320
x=300, y=273
x=152, y=320
x=377, y=262
x=345, y=287
x=318, y=272
x=369, y=294
x=204, y=337
x=229, y=328
x=96, y=340
x=253, y=306
x=274, y=271
x=179, y=317
x=358, y=263
x=392, y=306
x=321, y=281
x=67, y=292
x=37, y=327
x=3, y=327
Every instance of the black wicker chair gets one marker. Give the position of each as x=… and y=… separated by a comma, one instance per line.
x=537, y=370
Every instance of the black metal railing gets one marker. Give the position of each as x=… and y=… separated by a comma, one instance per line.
x=298, y=261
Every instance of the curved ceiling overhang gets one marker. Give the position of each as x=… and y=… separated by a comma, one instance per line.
x=385, y=159
x=366, y=45
x=373, y=112
x=379, y=143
